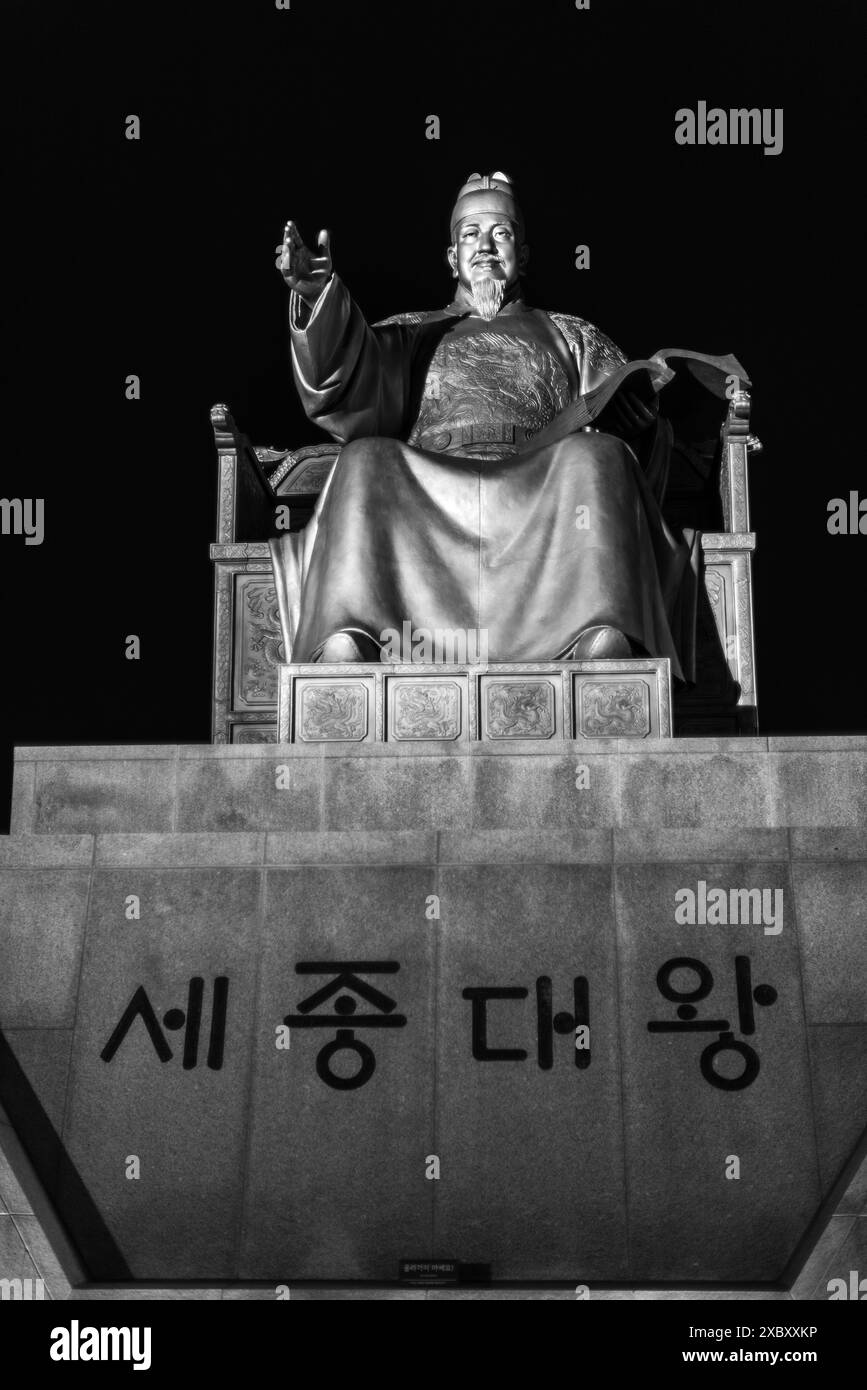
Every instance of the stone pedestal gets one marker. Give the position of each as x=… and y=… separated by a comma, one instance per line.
x=353, y=1003
x=504, y=702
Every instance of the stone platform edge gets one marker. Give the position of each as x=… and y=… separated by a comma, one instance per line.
x=769, y=743
x=772, y=783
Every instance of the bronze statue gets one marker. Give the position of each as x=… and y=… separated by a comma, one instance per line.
x=440, y=510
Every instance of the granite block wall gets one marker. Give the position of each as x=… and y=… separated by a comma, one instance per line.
x=287, y=1013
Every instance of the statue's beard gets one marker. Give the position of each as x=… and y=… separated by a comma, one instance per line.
x=488, y=296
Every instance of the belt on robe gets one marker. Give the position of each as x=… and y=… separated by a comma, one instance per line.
x=458, y=435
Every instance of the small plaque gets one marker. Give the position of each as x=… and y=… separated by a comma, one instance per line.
x=429, y=1271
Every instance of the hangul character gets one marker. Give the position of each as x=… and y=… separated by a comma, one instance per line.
x=688, y=1021
x=345, y=984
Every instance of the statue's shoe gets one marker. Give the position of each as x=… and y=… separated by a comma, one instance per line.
x=600, y=644
x=340, y=647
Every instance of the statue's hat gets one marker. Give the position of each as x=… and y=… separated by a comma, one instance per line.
x=487, y=193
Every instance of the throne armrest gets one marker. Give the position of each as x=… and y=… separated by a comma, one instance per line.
x=251, y=478
x=245, y=498
x=299, y=473
x=737, y=443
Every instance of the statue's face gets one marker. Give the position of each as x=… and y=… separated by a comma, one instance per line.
x=487, y=248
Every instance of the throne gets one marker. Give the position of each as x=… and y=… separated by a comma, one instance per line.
x=263, y=491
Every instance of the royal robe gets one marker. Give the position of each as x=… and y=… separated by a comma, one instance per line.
x=438, y=510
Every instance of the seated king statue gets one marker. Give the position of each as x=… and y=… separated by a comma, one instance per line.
x=440, y=510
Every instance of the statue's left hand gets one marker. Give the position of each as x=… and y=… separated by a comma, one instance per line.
x=628, y=415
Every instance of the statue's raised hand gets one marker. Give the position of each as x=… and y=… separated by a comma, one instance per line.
x=306, y=272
